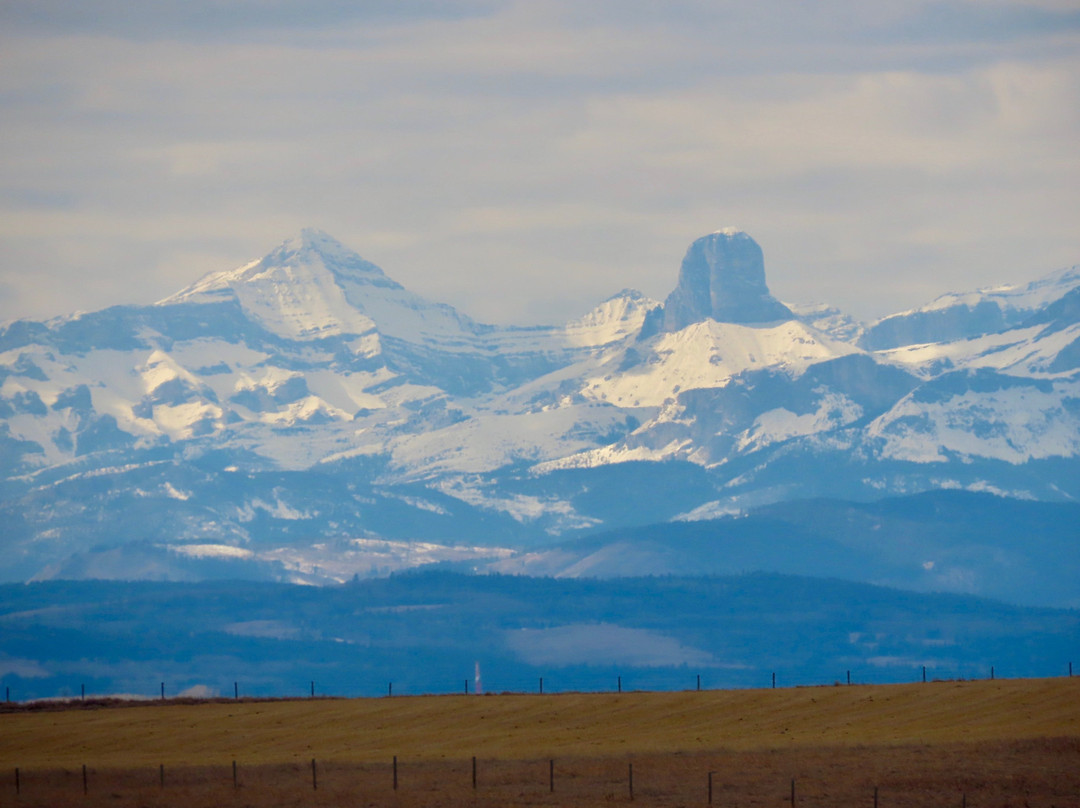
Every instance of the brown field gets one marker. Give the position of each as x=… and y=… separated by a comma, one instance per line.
x=989, y=743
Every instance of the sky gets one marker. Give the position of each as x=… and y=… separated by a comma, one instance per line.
x=523, y=161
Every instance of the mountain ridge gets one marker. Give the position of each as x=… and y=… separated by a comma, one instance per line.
x=189, y=415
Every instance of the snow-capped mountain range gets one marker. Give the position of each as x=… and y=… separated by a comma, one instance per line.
x=308, y=399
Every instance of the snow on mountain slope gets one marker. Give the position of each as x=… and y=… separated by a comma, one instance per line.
x=709, y=354
x=294, y=301
x=982, y=414
x=960, y=316
x=616, y=319
x=830, y=320
x=613, y=322
x=313, y=287
x=1030, y=351
x=330, y=349
x=390, y=416
x=1023, y=298
x=831, y=411
x=761, y=406
x=644, y=375
x=488, y=441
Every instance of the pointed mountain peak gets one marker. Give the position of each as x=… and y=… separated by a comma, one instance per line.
x=294, y=261
x=722, y=278
x=312, y=286
x=312, y=245
x=312, y=240
x=632, y=295
x=616, y=318
x=627, y=305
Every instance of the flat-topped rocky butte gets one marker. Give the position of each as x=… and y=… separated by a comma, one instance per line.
x=722, y=278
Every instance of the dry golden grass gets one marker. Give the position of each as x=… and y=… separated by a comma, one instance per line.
x=525, y=727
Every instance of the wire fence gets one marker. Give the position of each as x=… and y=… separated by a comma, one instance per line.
x=573, y=681
x=1032, y=773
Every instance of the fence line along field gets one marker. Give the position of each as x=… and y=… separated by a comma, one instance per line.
x=976, y=743
x=1039, y=773
x=534, y=726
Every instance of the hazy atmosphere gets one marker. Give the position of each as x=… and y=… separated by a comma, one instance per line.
x=598, y=357
x=524, y=160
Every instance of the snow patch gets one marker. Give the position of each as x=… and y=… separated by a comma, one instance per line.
x=210, y=551
x=1014, y=424
x=277, y=509
x=834, y=411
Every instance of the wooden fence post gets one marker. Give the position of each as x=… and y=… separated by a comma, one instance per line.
x=314, y=780
x=17, y=789
x=395, y=772
x=875, y=797
x=792, y=792
x=161, y=774
x=474, y=772
x=235, y=784
x=631, y=779
x=84, y=784
x=551, y=775
x=710, y=788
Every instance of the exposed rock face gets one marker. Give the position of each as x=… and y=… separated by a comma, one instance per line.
x=961, y=321
x=723, y=278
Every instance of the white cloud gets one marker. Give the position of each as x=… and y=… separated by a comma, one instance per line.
x=524, y=160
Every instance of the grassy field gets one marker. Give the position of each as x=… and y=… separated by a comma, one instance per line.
x=532, y=726
x=1004, y=742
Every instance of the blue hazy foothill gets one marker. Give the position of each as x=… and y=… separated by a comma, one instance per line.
x=720, y=481
x=426, y=632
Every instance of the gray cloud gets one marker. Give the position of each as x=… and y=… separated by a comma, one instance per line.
x=525, y=160
x=953, y=22
x=217, y=19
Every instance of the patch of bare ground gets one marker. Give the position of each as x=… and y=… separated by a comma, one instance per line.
x=990, y=743
x=1030, y=773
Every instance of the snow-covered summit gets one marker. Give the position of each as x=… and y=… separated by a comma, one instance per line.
x=312, y=287
x=618, y=317
x=316, y=245
x=963, y=315
x=1014, y=297
x=310, y=247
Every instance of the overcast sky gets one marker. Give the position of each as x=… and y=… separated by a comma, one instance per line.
x=525, y=160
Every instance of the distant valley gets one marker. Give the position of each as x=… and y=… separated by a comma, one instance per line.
x=440, y=632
